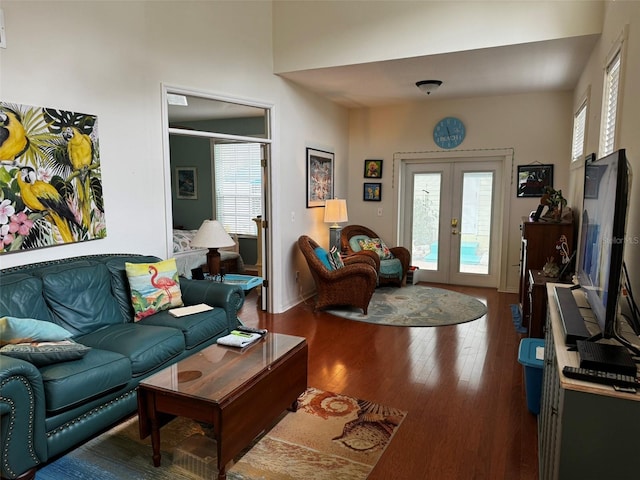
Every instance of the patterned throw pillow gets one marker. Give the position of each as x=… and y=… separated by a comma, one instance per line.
x=182, y=240
x=378, y=246
x=154, y=287
x=45, y=353
x=335, y=260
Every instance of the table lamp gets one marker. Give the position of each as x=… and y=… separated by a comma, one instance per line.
x=212, y=235
x=335, y=211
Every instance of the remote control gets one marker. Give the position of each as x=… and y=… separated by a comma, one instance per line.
x=604, y=378
x=244, y=328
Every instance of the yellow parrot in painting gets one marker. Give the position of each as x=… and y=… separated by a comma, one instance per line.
x=40, y=196
x=80, y=151
x=13, y=138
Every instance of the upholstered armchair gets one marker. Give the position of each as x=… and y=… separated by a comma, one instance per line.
x=392, y=266
x=352, y=284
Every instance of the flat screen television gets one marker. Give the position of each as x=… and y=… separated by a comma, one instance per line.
x=604, y=213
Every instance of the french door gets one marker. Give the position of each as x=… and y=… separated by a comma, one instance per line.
x=454, y=210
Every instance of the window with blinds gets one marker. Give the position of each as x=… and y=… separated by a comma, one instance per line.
x=238, y=186
x=610, y=105
x=579, y=122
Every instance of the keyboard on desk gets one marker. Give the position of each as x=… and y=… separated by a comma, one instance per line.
x=603, y=378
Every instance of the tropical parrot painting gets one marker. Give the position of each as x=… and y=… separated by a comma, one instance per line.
x=50, y=178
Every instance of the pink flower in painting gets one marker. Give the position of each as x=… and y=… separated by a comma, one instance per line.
x=5, y=236
x=6, y=210
x=44, y=175
x=20, y=223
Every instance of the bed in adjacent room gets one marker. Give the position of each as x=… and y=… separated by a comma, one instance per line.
x=188, y=258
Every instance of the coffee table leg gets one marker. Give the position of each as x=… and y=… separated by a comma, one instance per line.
x=222, y=473
x=155, y=441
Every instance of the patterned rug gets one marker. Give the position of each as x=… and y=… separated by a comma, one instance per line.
x=331, y=436
x=416, y=306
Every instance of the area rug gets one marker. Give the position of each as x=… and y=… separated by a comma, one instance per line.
x=416, y=306
x=331, y=436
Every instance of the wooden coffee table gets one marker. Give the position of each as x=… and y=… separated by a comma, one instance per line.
x=239, y=392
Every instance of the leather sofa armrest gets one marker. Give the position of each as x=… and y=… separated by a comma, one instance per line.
x=215, y=294
x=22, y=417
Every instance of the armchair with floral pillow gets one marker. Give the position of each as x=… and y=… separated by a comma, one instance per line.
x=392, y=263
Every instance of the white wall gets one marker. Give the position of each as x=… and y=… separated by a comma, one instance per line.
x=315, y=34
x=110, y=58
x=617, y=15
x=537, y=126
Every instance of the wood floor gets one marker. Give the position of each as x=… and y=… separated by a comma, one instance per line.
x=461, y=385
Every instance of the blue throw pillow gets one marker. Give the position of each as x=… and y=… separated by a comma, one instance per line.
x=46, y=353
x=323, y=256
x=21, y=330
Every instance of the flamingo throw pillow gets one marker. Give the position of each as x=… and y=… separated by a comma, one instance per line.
x=154, y=287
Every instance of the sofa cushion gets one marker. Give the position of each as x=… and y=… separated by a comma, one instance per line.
x=197, y=328
x=46, y=353
x=21, y=296
x=146, y=346
x=119, y=282
x=21, y=330
x=154, y=287
x=68, y=384
x=80, y=298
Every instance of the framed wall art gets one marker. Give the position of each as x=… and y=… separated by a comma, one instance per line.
x=186, y=183
x=373, y=169
x=319, y=177
x=50, y=178
x=372, y=192
x=533, y=178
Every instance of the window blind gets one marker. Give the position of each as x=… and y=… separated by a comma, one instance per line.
x=612, y=83
x=579, y=121
x=238, y=186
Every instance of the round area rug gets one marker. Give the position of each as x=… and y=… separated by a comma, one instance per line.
x=416, y=306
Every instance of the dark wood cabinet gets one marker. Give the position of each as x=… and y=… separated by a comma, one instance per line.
x=540, y=241
x=538, y=302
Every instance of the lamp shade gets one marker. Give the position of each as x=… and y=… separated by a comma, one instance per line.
x=212, y=235
x=335, y=211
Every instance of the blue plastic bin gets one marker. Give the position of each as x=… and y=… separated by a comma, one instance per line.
x=532, y=372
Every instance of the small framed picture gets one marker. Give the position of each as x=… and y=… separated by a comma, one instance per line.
x=532, y=179
x=373, y=169
x=372, y=192
x=186, y=183
x=319, y=177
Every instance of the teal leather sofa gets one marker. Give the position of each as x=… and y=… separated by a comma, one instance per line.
x=46, y=411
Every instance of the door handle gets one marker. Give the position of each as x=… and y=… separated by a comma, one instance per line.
x=454, y=231
x=454, y=222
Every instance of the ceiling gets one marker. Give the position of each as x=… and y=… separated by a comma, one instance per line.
x=531, y=67
x=553, y=65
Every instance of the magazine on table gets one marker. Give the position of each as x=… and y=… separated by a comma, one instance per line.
x=239, y=339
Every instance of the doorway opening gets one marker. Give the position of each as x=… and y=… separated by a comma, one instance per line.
x=195, y=124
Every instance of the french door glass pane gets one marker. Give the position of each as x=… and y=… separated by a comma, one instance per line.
x=475, y=224
x=426, y=219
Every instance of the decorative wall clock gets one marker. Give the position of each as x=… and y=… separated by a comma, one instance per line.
x=449, y=132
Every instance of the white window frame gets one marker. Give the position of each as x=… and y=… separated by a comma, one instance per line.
x=612, y=96
x=579, y=131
